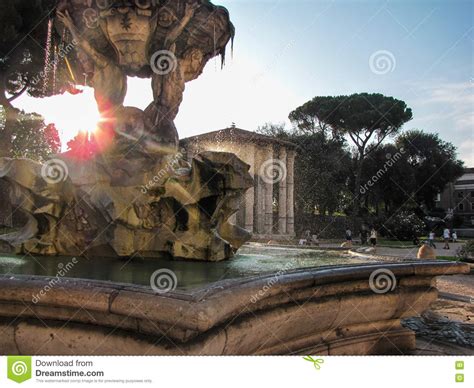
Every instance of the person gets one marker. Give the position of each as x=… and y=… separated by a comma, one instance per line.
x=315, y=240
x=348, y=235
x=305, y=238
x=446, y=236
x=431, y=238
x=373, y=237
x=454, y=236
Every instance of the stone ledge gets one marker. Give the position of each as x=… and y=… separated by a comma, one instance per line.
x=332, y=304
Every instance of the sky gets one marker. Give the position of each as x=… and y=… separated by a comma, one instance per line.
x=288, y=51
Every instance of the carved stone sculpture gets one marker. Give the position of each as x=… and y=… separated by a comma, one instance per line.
x=137, y=195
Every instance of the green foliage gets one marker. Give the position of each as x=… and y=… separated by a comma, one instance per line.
x=366, y=119
x=390, y=174
x=321, y=169
x=433, y=164
x=23, y=32
x=420, y=166
x=361, y=116
x=404, y=226
x=466, y=251
x=32, y=137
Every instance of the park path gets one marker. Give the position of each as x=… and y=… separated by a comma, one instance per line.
x=406, y=252
x=410, y=252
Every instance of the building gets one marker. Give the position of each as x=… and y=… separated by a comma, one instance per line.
x=268, y=211
x=458, y=199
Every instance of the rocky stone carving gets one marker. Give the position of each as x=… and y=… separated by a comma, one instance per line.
x=137, y=195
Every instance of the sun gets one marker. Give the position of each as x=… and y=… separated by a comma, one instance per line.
x=70, y=113
x=79, y=113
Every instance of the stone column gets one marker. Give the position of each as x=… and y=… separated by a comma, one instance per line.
x=282, y=220
x=290, y=200
x=259, y=208
x=268, y=181
x=250, y=194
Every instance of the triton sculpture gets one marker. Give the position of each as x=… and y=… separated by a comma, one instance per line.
x=137, y=194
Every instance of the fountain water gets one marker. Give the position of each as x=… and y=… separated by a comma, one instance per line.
x=47, y=57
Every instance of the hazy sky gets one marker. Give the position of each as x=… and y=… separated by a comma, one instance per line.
x=286, y=52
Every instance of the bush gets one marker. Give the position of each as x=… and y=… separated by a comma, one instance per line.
x=404, y=226
x=466, y=251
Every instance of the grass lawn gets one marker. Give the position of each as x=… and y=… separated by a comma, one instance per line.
x=448, y=258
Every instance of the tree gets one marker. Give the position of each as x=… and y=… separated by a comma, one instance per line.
x=466, y=252
x=404, y=226
x=433, y=164
x=367, y=119
x=408, y=174
x=321, y=169
x=23, y=33
x=385, y=179
x=31, y=138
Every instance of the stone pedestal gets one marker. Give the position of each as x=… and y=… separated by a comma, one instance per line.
x=111, y=206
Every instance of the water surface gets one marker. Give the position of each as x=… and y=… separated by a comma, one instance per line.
x=251, y=260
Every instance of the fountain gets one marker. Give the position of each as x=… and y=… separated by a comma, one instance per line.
x=138, y=196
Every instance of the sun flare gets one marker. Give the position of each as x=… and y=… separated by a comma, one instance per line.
x=70, y=113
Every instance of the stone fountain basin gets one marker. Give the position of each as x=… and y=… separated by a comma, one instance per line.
x=311, y=311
